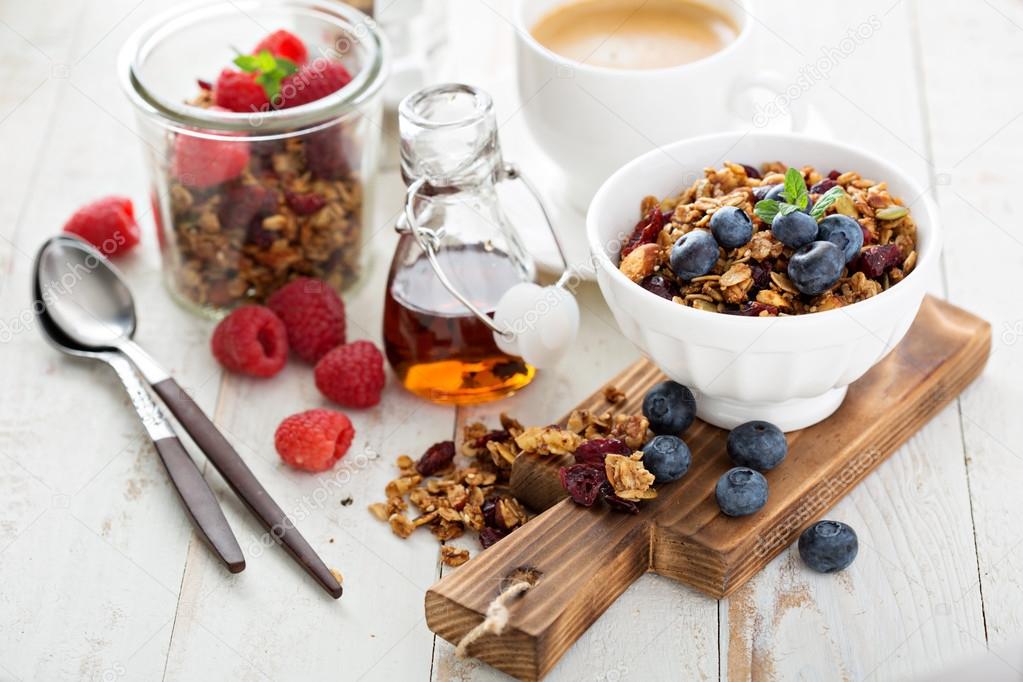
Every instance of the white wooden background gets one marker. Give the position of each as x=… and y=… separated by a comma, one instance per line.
x=101, y=577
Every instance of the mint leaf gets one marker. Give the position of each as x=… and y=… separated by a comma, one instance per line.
x=794, y=191
x=766, y=210
x=269, y=70
x=825, y=202
x=786, y=209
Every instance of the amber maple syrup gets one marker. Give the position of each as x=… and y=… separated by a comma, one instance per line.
x=439, y=350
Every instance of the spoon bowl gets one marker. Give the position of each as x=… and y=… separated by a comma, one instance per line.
x=84, y=297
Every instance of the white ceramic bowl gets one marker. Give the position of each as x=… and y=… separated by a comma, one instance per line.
x=792, y=371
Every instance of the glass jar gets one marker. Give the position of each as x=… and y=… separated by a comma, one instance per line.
x=457, y=255
x=245, y=202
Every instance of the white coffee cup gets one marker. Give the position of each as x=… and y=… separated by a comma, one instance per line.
x=591, y=120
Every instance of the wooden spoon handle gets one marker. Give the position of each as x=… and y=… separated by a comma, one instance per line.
x=242, y=481
x=200, y=503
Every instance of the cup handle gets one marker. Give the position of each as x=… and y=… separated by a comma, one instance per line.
x=797, y=110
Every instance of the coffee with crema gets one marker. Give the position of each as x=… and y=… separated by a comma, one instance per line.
x=633, y=34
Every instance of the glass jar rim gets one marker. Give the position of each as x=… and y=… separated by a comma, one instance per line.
x=408, y=107
x=174, y=114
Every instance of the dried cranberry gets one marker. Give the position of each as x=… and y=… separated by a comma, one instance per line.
x=490, y=512
x=582, y=482
x=499, y=436
x=259, y=237
x=607, y=493
x=873, y=262
x=657, y=284
x=761, y=273
x=646, y=230
x=594, y=451
x=823, y=186
x=305, y=204
x=437, y=457
x=833, y=175
x=204, y=85
x=242, y=204
x=754, y=308
x=751, y=171
x=489, y=536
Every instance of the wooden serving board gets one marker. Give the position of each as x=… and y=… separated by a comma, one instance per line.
x=585, y=558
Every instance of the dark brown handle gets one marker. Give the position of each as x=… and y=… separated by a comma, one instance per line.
x=230, y=465
x=201, y=504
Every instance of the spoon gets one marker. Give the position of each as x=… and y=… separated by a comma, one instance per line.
x=200, y=502
x=87, y=300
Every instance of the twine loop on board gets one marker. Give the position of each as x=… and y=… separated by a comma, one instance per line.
x=496, y=619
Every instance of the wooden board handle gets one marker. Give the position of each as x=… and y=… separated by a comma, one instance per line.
x=576, y=582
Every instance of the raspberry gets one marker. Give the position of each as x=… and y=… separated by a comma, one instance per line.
x=314, y=440
x=107, y=223
x=352, y=374
x=313, y=314
x=201, y=162
x=239, y=91
x=311, y=82
x=285, y=44
x=251, y=340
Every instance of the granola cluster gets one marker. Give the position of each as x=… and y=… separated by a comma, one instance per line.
x=294, y=210
x=435, y=492
x=450, y=499
x=751, y=279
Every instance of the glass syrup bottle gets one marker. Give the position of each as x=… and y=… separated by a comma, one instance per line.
x=457, y=254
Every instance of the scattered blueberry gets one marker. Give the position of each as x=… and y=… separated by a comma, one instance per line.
x=741, y=491
x=731, y=227
x=694, y=254
x=828, y=546
x=667, y=458
x=758, y=445
x=844, y=232
x=816, y=267
x=670, y=408
x=795, y=229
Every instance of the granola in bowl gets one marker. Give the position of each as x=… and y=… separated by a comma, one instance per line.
x=798, y=254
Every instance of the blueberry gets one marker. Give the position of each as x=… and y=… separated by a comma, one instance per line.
x=757, y=445
x=670, y=408
x=731, y=227
x=667, y=458
x=694, y=254
x=760, y=193
x=741, y=491
x=795, y=229
x=843, y=232
x=816, y=267
x=828, y=546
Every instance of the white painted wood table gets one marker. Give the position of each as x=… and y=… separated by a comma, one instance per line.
x=102, y=578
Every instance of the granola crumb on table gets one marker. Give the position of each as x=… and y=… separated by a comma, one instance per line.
x=750, y=280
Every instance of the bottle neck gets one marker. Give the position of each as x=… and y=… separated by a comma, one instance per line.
x=449, y=138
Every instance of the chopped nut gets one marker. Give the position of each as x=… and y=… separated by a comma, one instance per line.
x=379, y=510
x=613, y=395
x=548, y=440
x=641, y=262
x=453, y=556
x=401, y=526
